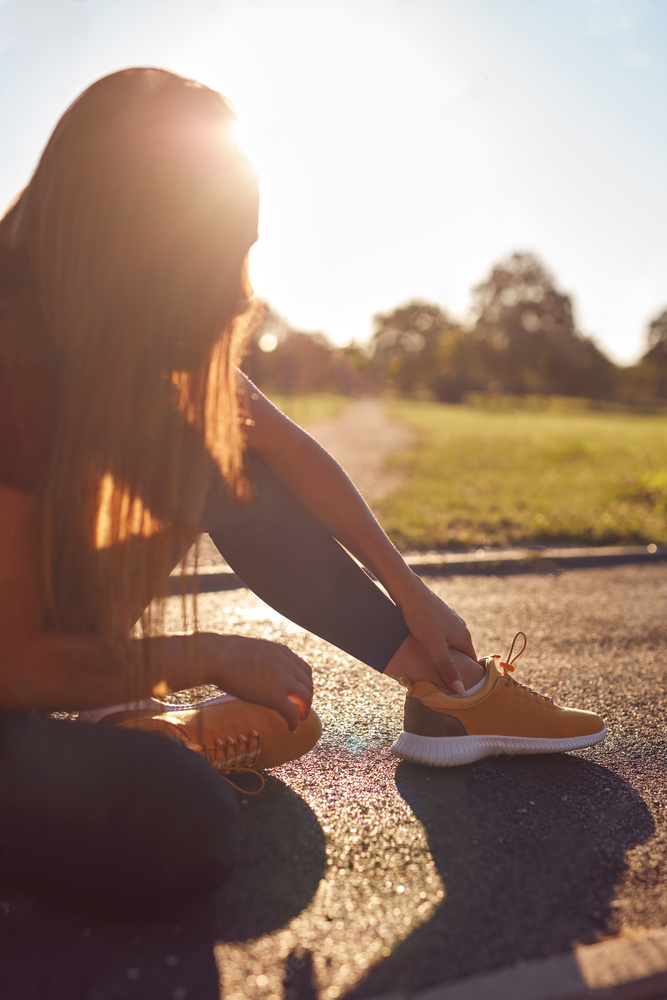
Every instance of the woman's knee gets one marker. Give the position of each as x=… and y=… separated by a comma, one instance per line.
x=188, y=824
x=120, y=819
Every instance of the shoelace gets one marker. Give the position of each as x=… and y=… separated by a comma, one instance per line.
x=235, y=755
x=508, y=666
x=240, y=788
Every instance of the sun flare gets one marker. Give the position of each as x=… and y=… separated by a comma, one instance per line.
x=335, y=116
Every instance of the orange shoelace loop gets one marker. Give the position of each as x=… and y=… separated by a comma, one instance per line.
x=508, y=666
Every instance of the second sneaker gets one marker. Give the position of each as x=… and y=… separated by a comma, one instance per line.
x=503, y=717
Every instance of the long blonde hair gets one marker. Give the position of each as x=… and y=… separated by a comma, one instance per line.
x=137, y=224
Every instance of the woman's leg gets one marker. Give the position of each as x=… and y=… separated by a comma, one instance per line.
x=121, y=820
x=290, y=560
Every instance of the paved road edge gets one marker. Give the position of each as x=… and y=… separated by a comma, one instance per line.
x=483, y=561
x=632, y=967
x=540, y=559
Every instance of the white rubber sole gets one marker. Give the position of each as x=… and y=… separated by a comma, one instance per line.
x=450, y=751
x=94, y=715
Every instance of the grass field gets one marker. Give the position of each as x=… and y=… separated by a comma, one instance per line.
x=311, y=409
x=565, y=473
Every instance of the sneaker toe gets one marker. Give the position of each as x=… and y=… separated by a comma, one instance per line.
x=575, y=722
x=286, y=745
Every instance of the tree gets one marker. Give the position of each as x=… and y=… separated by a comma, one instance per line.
x=657, y=334
x=528, y=334
x=290, y=361
x=406, y=342
x=461, y=366
x=653, y=365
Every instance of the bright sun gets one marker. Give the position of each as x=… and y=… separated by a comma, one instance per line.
x=331, y=111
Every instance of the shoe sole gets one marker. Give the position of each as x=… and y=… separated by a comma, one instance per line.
x=450, y=751
x=139, y=708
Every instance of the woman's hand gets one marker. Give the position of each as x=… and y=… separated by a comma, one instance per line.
x=436, y=627
x=263, y=672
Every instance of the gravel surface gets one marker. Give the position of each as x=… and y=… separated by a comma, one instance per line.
x=361, y=874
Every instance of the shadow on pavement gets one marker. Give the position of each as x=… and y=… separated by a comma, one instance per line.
x=529, y=850
x=50, y=951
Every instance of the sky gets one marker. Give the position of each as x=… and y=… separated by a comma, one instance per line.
x=404, y=146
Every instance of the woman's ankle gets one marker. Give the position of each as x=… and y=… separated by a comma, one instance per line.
x=411, y=660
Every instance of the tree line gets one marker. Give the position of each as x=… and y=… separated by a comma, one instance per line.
x=523, y=340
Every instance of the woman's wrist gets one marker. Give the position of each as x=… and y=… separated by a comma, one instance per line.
x=399, y=580
x=159, y=664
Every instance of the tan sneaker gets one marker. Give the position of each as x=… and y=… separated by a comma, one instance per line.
x=503, y=717
x=232, y=735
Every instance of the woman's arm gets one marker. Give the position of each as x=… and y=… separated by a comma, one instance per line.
x=54, y=671
x=322, y=486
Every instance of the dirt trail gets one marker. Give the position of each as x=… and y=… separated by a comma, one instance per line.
x=361, y=439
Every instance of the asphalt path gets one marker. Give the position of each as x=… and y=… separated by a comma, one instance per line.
x=362, y=875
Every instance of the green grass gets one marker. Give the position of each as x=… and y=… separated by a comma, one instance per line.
x=562, y=473
x=312, y=408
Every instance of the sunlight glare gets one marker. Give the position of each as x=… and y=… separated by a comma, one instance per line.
x=268, y=342
x=336, y=117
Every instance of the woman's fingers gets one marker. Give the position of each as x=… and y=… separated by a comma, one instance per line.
x=305, y=670
x=465, y=644
x=292, y=701
x=446, y=666
x=437, y=626
x=298, y=691
x=296, y=706
x=263, y=672
x=458, y=634
x=290, y=713
x=438, y=641
x=303, y=707
x=301, y=690
x=302, y=694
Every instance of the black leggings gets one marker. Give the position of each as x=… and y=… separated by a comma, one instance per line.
x=285, y=556
x=131, y=822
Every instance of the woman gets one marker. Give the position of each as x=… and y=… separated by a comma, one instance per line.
x=125, y=430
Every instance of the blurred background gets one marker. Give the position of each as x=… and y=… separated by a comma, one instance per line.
x=462, y=207
x=408, y=151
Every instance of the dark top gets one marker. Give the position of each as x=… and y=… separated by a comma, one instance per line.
x=28, y=378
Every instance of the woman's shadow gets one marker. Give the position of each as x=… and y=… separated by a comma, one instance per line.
x=49, y=950
x=529, y=850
